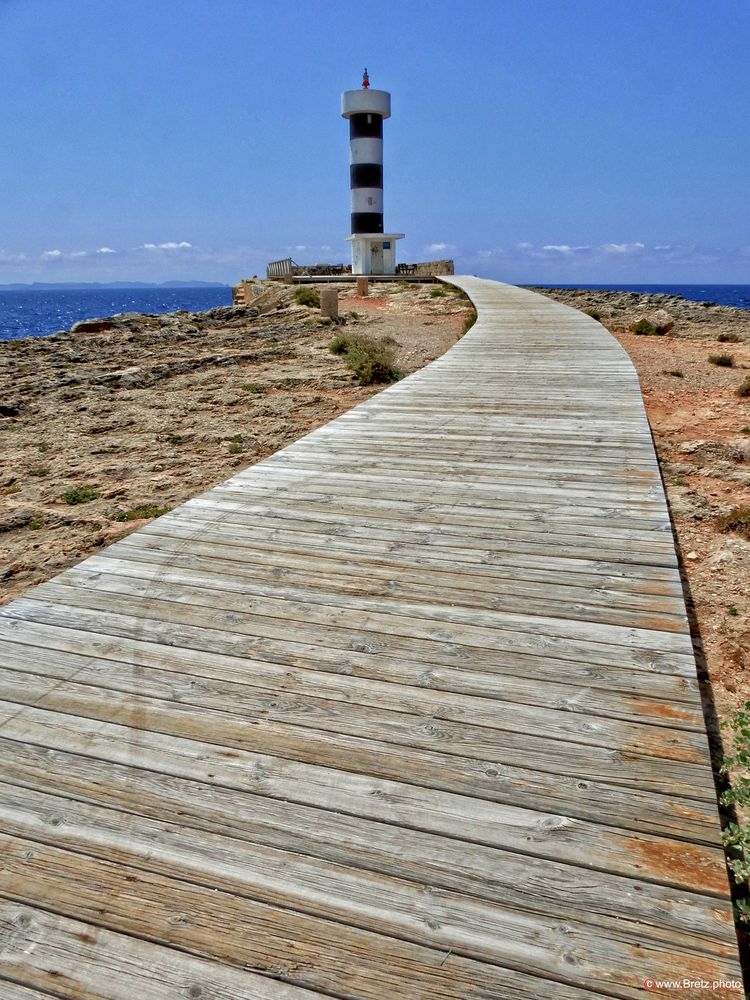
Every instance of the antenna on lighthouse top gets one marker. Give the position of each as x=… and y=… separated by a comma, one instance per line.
x=365, y=79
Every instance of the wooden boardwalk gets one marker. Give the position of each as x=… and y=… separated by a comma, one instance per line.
x=407, y=711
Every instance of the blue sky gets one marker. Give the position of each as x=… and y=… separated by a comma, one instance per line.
x=531, y=140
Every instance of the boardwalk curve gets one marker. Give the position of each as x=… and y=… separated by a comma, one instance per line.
x=407, y=711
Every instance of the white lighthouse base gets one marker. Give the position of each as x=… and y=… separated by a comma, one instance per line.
x=374, y=253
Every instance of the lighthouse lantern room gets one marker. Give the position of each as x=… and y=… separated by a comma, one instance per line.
x=373, y=251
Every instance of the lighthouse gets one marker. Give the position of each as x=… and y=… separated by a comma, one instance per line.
x=373, y=250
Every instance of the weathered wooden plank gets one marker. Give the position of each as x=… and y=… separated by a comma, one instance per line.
x=659, y=697
x=83, y=960
x=608, y=606
x=15, y=991
x=649, y=739
x=327, y=956
x=216, y=575
x=290, y=800
x=458, y=670
x=330, y=956
x=411, y=906
x=528, y=633
x=574, y=568
x=432, y=722
x=581, y=796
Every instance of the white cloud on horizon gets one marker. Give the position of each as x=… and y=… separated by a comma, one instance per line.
x=52, y=254
x=161, y=246
x=618, y=248
x=106, y=250
x=564, y=248
x=439, y=247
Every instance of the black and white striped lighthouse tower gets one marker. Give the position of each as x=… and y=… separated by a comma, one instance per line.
x=373, y=251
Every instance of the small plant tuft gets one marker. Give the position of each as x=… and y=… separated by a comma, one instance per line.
x=729, y=338
x=722, y=360
x=732, y=611
x=594, y=314
x=340, y=343
x=744, y=389
x=645, y=328
x=372, y=361
x=676, y=373
x=438, y=292
x=44, y=446
x=39, y=470
x=80, y=494
x=305, y=295
x=254, y=387
x=141, y=513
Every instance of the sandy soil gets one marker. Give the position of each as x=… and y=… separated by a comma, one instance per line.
x=701, y=428
x=149, y=411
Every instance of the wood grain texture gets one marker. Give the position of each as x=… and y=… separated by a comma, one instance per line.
x=407, y=710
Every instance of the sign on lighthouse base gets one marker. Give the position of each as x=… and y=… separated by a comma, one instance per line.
x=374, y=253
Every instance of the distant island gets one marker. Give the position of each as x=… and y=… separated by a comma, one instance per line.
x=51, y=286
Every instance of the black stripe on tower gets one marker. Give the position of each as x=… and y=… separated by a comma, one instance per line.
x=366, y=175
x=366, y=126
x=367, y=222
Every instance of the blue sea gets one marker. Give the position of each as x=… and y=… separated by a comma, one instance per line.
x=37, y=313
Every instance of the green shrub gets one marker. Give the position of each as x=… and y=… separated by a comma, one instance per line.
x=729, y=338
x=645, y=328
x=438, y=292
x=81, y=494
x=744, y=389
x=141, y=513
x=594, y=314
x=370, y=360
x=306, y=295
x=736, y=836
x=254, y=387
x=469, y=322
x=722, y=360
x=39, y=470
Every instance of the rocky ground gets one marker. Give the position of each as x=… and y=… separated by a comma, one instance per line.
x=701, y=427
x=106, y=425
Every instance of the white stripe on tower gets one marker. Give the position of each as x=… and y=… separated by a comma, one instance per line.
x=365, y=151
